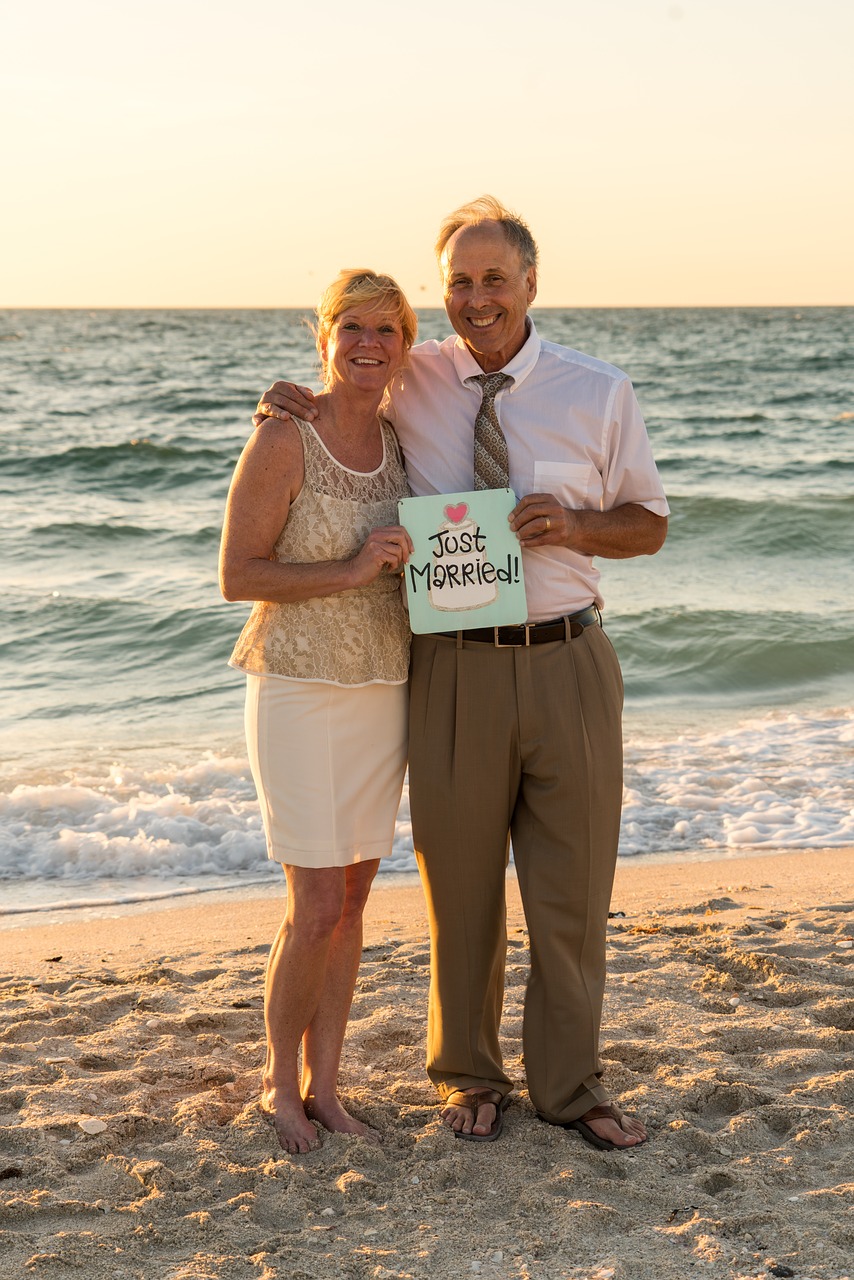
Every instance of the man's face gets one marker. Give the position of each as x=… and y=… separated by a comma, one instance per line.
x=487, y=293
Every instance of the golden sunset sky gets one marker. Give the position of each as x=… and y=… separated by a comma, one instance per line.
x=209, y=153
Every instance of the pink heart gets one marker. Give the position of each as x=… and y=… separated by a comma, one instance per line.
x=457, y=514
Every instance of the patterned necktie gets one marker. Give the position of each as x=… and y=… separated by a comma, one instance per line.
x=491, y=464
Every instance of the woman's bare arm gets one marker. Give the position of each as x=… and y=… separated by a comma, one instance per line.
x=267, y=479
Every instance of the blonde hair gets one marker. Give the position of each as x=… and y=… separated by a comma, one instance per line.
x=488, y=209
x=358, y=288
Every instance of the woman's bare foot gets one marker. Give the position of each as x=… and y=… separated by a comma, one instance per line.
x=296, y=1134
x=333, y=1116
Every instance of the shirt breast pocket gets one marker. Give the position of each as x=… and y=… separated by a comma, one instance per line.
x=569, y=482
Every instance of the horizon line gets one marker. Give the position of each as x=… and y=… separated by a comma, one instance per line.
x=568, y=306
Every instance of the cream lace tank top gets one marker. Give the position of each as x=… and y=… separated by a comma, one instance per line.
x=355, y=637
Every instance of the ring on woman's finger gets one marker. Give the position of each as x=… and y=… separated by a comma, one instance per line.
x=548, y=524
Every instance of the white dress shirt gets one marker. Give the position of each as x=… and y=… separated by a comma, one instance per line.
x=573, y=428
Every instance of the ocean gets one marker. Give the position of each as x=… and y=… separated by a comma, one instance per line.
x=124, y=772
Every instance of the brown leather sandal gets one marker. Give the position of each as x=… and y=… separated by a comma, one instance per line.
x=604, y=1111
x=471, y=1102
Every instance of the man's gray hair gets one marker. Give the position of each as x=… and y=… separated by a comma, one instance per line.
x=488, y=209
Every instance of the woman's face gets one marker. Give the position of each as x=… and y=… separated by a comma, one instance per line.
x=364, y=349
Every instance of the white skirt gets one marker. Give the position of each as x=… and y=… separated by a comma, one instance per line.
x=328, y=762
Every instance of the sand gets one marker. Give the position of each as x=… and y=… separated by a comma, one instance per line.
x=133, y=1148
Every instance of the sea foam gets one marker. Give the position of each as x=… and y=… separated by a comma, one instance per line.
x=779, y=781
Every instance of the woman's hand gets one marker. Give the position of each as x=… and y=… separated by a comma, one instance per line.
x=385, y=550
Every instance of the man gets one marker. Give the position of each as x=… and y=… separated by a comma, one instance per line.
x=516, y=733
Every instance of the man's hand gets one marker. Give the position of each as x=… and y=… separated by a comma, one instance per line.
x=538, y=520
x=283, y=399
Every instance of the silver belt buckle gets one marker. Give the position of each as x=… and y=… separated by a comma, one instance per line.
x=499, y=645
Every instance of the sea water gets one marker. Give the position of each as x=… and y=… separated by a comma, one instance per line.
x=124, y=771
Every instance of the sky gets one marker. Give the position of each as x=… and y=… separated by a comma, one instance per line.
x=209, y=153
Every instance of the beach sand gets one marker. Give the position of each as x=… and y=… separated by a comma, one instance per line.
x=728, y=1026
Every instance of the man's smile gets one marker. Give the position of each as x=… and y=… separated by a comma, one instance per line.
x=487, y=293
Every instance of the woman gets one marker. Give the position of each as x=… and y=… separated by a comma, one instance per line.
x=310, y=536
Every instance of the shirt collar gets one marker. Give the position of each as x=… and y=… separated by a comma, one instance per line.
x=518, y=368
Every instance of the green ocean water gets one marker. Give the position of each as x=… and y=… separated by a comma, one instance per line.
x=121, y=728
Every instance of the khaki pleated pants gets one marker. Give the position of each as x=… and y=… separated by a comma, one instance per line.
x=523, y=743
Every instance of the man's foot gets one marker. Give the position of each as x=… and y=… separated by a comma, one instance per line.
x=608, y=1128
x=333, y=1116
x=474, y=1114
x=294, y=1130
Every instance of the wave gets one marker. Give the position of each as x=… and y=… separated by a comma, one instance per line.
x=114, y=468
x=718, y=538
x=778, y=781
x=721, y=654
x=189, y=402
x=81, y=535
x=840, y=359
x=77, y=533
x=716, y=420
x=123, y=822
x=98, y=457
x=717, y=507
x=738, y=516
x=122, y=626
x=782, y=781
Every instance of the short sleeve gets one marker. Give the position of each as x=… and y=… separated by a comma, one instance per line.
x=629, y=473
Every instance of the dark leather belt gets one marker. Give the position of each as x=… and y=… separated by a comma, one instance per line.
x=533, y=633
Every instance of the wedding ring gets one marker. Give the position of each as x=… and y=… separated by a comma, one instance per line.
x=548, y=524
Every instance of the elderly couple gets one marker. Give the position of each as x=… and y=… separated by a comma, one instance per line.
x=509, y=734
